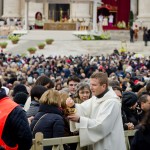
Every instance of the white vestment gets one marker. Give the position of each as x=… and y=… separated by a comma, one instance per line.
x=100, y=18
x=111, y=19
x=100, y=123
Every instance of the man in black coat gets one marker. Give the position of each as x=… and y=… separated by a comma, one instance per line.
x=131, y=34
x=146, y=36
x=16, y=129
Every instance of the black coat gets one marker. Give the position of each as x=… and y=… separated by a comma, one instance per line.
x=49, y=120
x=16, y=129
x=129, y=115
x=141, y=140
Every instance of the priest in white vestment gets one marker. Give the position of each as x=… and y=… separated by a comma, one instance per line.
x=99, y=119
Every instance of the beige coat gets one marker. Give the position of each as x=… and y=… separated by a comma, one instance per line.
x=100, y=123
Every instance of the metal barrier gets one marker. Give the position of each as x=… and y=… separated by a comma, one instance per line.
x=57, y=143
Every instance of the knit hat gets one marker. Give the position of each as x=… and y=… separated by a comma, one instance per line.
x=19, y=88
x=129, y=99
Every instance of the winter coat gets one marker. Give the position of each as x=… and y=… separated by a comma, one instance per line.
x=33, y=109
x=141, y=140
x=16, y=130
x=129, y=115
x=49, y=121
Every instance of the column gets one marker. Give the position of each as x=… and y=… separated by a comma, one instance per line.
x=1, y=7
x=134, y=7
x=96, y=3
x=144, y=15
x=95, y=16
x=80, y=10
x=35, y=7
x=26, y=21
x=46, y=11
x=11, y=8
x=32, y=9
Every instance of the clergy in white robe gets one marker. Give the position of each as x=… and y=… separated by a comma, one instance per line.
x=100, y=124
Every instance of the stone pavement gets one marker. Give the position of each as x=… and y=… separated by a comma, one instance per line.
x=65, y=43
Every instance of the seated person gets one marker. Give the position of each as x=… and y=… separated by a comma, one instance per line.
x=38, y=21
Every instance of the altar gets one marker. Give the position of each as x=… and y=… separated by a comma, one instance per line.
x=59, y=26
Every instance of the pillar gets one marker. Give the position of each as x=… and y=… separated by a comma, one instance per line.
x=1, y=7
x=35, y=7
x=134, y=7
x=11, y=8
x=144, y=15
x=80, y=10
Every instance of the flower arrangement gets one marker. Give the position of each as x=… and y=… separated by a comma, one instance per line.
x=3, y=44
x=41, y=45
x=31, y=50
x=49, y=41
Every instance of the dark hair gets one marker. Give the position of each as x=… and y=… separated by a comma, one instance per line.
x=143, y=98
x=20, y=98
x=73, y=78
x=37, y=91
x=19, y=88
x=37, y=14
x=44, y=80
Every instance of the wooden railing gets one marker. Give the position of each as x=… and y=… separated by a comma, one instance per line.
x=39, y=142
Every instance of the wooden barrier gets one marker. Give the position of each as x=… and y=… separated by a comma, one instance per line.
x=57, y=143
x=128, y=133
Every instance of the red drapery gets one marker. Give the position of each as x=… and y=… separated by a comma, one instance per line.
x=123, y=8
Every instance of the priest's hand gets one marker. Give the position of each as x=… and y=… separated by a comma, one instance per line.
x=74, y=118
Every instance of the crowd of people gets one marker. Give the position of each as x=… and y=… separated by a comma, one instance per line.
x=106, y=94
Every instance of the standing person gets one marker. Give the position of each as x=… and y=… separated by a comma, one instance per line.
x=145, y=36
x=144, y=102
x=131, y=34
x=38, y=21
x=15, y=133
x=41, y=80
x=100, y=24
x=100, y=18
x=72, y=83
x=83, y=92
x=141, y=139
x=49, y=120
x=136, y=30
x=99, y=118
x=111, y=20
x=129, y=110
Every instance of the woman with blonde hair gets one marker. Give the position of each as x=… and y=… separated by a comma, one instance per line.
x=49, y=120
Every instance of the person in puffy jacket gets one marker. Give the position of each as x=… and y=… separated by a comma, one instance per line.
x=14, y=128
x=49, y=120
